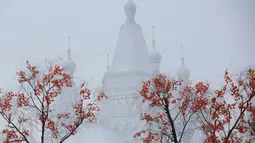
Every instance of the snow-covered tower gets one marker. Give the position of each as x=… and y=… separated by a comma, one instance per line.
x=130, y=59
x=68, y=65
x=123, y=80
x=183, y=73
x=131, y=50
x=154, y=57
x=69, y=95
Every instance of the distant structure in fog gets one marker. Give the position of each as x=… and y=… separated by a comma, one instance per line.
x=132, y=63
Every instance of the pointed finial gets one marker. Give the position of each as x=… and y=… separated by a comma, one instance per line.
x=153, y=30
x=181, y=50
x=153, y=38
x=69, y=48
x=182, y=58
x=108, y=63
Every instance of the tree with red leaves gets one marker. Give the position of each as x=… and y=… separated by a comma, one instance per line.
x=171, y=113
x=227, y=115
x=34, y=106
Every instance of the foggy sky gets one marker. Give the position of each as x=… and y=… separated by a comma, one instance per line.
x=215, y=34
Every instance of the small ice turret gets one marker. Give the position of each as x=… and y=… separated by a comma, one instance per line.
x=68, y=65
x=183, y=73
x=154, y=57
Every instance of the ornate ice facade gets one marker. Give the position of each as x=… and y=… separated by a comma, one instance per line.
x=132, y=63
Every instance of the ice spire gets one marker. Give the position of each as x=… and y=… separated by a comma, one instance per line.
x=183, y=73
x=153, y=38
x=69, y=48
x=182, y=58
x=69, y=66
x=131, y=52
x=108, y=63
x=154, y=56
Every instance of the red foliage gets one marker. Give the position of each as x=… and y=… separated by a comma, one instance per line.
x=225, y=114
x=39, y=96
x=168, y=106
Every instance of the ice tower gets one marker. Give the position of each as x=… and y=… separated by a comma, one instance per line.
x=121, y=83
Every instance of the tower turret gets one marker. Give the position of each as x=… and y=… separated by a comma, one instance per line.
x=131, y=51
x=183, y=73
x=123, y=80
x=69, y=95
x=154, y=56
x=68, y=65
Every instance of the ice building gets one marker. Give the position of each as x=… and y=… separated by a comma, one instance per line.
x=132, y=63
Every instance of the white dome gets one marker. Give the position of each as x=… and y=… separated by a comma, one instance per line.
x=155, y=56
x=69, y=66
x=130, y=7
x=183, y=73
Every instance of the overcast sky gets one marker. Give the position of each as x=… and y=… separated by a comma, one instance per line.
x=215, y=34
